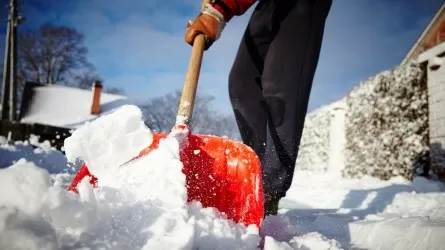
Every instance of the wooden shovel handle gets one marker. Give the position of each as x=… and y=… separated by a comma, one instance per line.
x=187, y=100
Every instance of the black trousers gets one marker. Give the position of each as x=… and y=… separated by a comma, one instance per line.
x=271, y=80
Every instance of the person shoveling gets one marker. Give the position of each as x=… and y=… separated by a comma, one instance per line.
x=269, y=86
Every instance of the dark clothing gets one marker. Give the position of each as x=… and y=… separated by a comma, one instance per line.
x=271, y=79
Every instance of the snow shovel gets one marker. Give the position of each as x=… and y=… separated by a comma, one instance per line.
x=220, y=172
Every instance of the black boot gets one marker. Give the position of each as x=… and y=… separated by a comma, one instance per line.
x=270, y=205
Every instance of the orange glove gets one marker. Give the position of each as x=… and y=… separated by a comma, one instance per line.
x=210, y=23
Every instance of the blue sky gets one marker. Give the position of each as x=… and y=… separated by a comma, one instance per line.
x=138, y=44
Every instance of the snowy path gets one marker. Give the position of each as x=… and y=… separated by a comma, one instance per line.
x=363, y=214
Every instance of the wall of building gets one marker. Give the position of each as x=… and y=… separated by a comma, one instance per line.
x=436, y=102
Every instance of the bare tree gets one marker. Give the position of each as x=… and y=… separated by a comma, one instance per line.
x=84, y=78
x=160, y=114
x=51, y=54
x=114, y=90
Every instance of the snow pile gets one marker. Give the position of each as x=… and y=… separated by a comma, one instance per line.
x=141, y=206
x=38, y=213
x=41, y=153
x=387, y=124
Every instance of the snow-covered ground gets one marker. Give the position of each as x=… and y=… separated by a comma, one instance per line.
x=143, y=205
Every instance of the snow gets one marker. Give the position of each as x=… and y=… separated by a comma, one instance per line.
x=417, y=219
x=42, y=154
x=68, y=107
x=368, y=213
x=143, y=205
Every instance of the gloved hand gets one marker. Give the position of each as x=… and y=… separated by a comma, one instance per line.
x=210, y=23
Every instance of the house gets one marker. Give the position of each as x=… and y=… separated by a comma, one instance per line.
x=66, y=107
x=433, y=35
x=53, y=111
x=429, y=51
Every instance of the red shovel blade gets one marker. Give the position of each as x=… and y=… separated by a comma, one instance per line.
x=220, y=173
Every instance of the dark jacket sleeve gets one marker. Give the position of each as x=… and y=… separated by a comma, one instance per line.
x=230, y=8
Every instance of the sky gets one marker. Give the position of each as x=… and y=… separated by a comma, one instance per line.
x=138, y=45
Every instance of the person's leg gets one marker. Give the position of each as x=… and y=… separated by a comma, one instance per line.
x=287, y=80
x=245, y=78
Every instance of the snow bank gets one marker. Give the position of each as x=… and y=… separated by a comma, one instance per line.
x=387, y=124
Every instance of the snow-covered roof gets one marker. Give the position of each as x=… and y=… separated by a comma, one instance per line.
x=64, y=106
